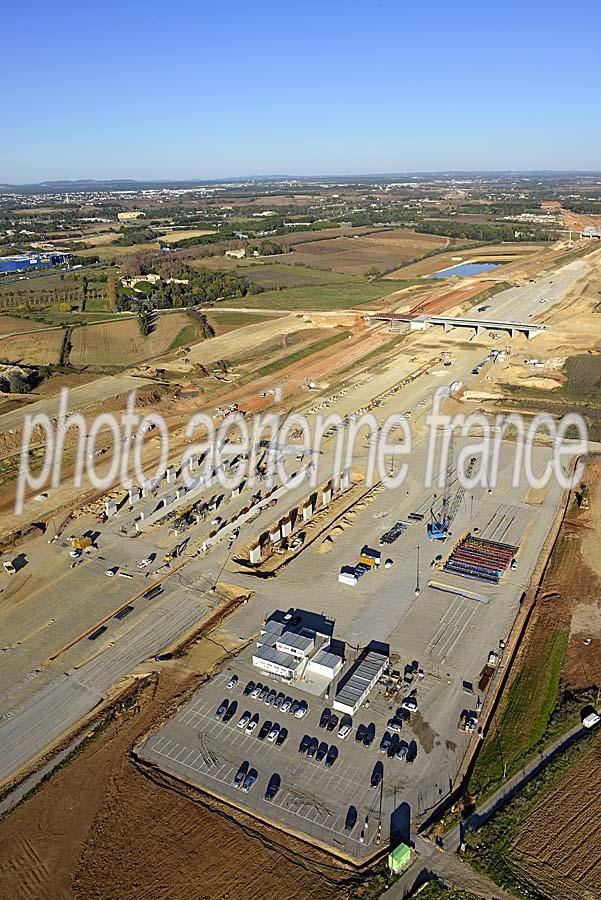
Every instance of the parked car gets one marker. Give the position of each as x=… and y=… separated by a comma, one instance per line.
x=302, y=710
x=370, y=734
x=252, y=724
x=312, y=748
x=144, y=562
x=304, y=744
x=321, y=751
x=394, y=724
x=409, y=703
x=273, y=732
x=325, y=717
x=377, y=774
x=345, y=728
x=385, y=742
x=332, y=756
x=241, y=775
x=286, y=704
x=264, y=693
x=230, y=711
x=110, y=572
x=75, y=554
x=273, y=786
x=244, y=720
x=351, y=818
x=402, y=750
x=294, y=707
x=232, y=683
x=248, y=689
x=265, y=729
x=221, y=709
x=278, y=701
x=249, y=780
x=411, y=753
x=394, y=746
x=333, y=722
x=256, y=690
x=282, y=735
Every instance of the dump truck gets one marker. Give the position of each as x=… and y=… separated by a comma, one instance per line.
x=81, y=543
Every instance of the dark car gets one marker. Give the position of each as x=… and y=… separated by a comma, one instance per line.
x=221, y=709
x=360, y=734
x=385, y=742
x=281, y=737
x=241, y=774
x=377, y=774
x=351, y=818
x=325, y=718
x=332, y=723
x=411, y=753
x=304, y=744
x=278, y=700
x=370, y=734
x=231, y=711
x=273, y=786
x=394, y=746
x=332, y=756
x=313, y=746
x=321, y=751
x=248, y=689
x=265, y=729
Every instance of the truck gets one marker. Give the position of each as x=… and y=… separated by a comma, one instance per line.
x=591, y=719
x=8, y=567
x=81, y=543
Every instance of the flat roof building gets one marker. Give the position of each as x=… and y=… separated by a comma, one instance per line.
x=356, y=688
x=296, y=643
x=275, y=662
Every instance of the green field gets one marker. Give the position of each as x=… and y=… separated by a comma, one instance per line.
x=523, y=720
x=280, y=275
x=325, y=296
x=187, y=335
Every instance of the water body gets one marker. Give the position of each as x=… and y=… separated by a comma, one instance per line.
x=466, y=269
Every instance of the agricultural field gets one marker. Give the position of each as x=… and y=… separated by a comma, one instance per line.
x=121, y=344
x=182, y=234
x=42, y=348
x=557, y=849
x=225, y=321
x=9, y=324
x=545, y=842
x=377, y=251
x=325, y=296
x=280, y=275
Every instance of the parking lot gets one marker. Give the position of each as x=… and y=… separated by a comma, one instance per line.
x=313, y=799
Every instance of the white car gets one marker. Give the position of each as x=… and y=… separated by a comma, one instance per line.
x=110, y=572
x=273, y=733
x=75, y=554
x=344, y=730
x=302, y=710
x=252, y=724
x=144, y=562
x=232, y=683
x=244, y=720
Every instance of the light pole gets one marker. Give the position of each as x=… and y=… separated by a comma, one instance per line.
x=417, y=587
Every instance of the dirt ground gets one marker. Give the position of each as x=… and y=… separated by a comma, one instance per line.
x=39, y=348
x=557, y=850
x=120, y=343
x=102, y=828
x=9, y=324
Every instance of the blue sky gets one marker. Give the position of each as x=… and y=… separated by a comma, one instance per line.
x=204, y=90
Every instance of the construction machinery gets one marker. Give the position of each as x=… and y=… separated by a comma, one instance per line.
x=438, y=528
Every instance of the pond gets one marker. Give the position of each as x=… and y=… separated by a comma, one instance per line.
x=464, y=269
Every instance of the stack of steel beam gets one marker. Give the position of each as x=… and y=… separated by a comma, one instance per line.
x=482, y=560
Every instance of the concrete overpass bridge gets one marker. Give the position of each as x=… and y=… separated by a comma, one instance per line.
x=421, y=323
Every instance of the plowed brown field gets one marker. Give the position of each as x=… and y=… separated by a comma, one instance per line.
x=558, y=848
